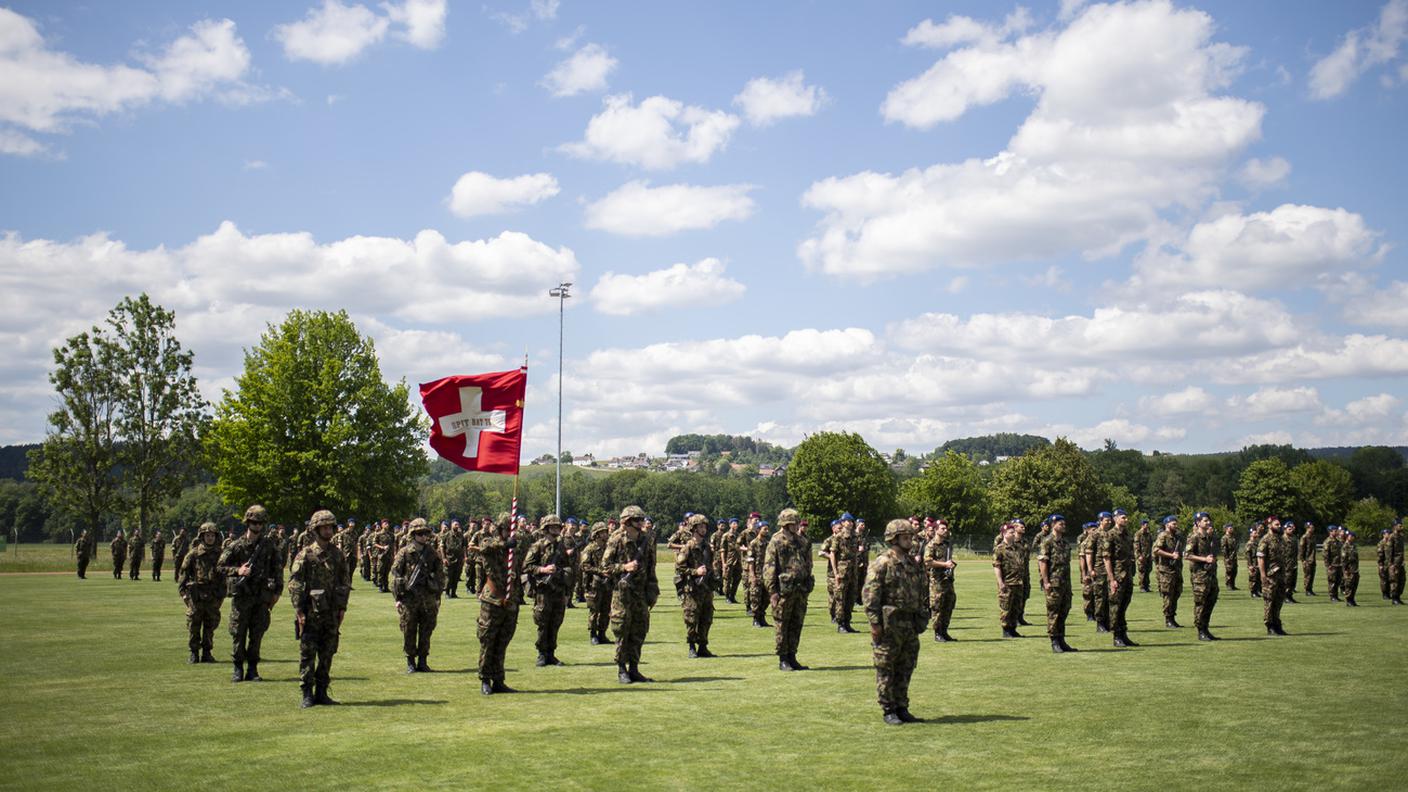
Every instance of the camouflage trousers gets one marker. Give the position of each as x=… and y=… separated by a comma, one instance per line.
x=249, y=618
x=82, y=566
x=1025, y=595
x=1058, y=606
x=858, y=573
x=831, y=594
x=733, y=575
x=383, y=571
x=758, y=598
x=896, y=655
x=496, y=626
x=941, y=602
x=472, y=578
x=1334, y=578
x=1383, y=580
x=1170, y=588
x=1229, y=573
x=548, y=609
x=202, y=617
x=1289, y=570
x=698, y=609
x=176, y=560
x=316, y=647
x=1253, y=579
x=366, y=566
x=1007, y=598
x=1271, y=599
x=1204, y=598
x=1307, y=569
x=1100, y=599
x=156, y=566
x=1395, y=581
x=1087, y=596
x=845, y=595
x=419, y=614
x=788, y=616
x=118, y=562
x=1146, y=565
x=1119, y=602
x=598, y=609
x=134, y=563
x=453, y=570
x=630, y=621
x=1349, y=583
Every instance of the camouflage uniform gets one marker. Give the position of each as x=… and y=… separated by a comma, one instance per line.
x=941, y=594
x=826, y=545
x=1268, y=551
x=550, y=590
x=364, y=555
x=383, y=553
x=1349, y=563
x=318, y=587
x=1099, y=581
x=251, y=597
x=1203, y=576
x=896, y=605
x=1024, y=550
x=1333, y=568
x=158, y=546
x=180, y=545
x=1007, y=560
x=1144, y=554
x=1057, y=555
x=1119, y=549
x=1290, y=562
x=136, y=548
x=498, y=607
x=844, y=558
x=1395, y=565
x=82, y=549
x=598, y=585
x=1170, y=571
x=698, y=604
x=753, y=568
x=1306, y=547
x=119, y=556
x=1087, y=581
x=716, y=545
x=1229, y=560
x=451, y=545
x=1253, y=573
x=635, y=592
x=732, y=563
x=861, y=565
x=787, y=573
x=202, y=588
x=418, y=600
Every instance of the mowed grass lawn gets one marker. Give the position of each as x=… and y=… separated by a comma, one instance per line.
x=95, y=693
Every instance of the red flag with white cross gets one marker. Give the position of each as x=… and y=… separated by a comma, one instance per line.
x=476, y=420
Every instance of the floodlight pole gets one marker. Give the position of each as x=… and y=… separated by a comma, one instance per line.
x=562, y=295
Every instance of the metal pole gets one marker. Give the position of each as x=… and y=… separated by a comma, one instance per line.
x=561, y=294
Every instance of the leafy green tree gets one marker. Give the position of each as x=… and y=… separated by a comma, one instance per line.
x=1265, y=489
x=1367, y=517
x=313, y=425
x=952, y=488
x=834, y=472
x=1118, y=496
x=1128, y=469
x=1323, y=492
x=160, y=409
x=456, y=499
x=1053, y=479
x=1379, y=473
x=1221, y=515
x=196, y=504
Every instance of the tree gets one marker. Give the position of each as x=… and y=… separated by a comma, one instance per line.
x=195, y=505
x=1265, y=489
x=457, y=499
x=312, y=425
x=1128, y=469
x=1367, y=517
x=1053, y=479
x=952, y=488
x=835, y=472
x=160, y=409
x=1323, y=491
x=76, y=466
x=1379, y=473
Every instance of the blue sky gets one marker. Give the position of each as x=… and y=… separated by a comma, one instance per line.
x=1178, y=226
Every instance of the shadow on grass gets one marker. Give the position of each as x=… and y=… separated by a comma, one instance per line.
x=741, y=654
x=393, y=702
x=1310, y=634
x=296, y=679
x=955, y=719
x=687, y=680
x=584, y=691
x=843, y=668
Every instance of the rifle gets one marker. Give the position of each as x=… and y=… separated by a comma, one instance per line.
x=415, y=578
x=242, y=583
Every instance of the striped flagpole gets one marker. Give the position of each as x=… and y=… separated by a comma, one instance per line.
x=512, y=533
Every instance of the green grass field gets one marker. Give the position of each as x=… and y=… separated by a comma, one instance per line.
x=97, y=695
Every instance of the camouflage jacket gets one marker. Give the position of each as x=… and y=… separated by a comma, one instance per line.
x=1095, y=551
x=266, y=576
x=787, y=565
x=757, y=554
x=939, y=551
x=199, y=577
x=732, y=549
x=595, y=574
x=451, y=544
x=1169, y=541
x=492, y=550
x=1229, y=549
x=1306, y=546
x=1119, y=548
x=318, y=584
x=895, y=595
x=180, y=543
x=1332, y=552
x=1202, y=545
x=1143, y=543
x=843, y=551
x=135, y=541
x=688, y=559
x=1395, y=548
x=157, y=545
x=1007, y=560
x=549, y=550
x=1269, y=550
x=1057, y=555
x=119, y=547
x=429, y=582
x=620, y=550
x=1349, y=557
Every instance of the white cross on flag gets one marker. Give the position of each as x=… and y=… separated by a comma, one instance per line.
x=477, y=419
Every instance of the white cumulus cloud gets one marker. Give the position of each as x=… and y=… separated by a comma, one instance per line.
x=702, y=284
x=765, y=100
x=586, y=70
x=657, y=134
x=1361, y=50
x=1259, y=173
x=637, y=209
x=336, y=33
x=1191, y=400
x=477, y=193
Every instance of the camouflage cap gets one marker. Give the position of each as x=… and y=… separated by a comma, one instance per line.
x=895, y=528
x=599, y=527
x=550, y=521
x=256, y=513
x=502, y=520
x=788, y=517
x=322, y=517
x=696, y=520
x=207, y=527
x=419, y=525
x=632, y=513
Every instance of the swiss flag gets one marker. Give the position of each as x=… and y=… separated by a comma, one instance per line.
x=476, y=420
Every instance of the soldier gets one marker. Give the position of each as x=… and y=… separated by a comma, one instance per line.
x=1099, y=580
x=548, y=568
x=826, y=552
x=1168, y=560
x=383, y=553
x=180, y=545
x=716, y=554
x=1268, y=560
x=1007, y=568
x=255, y=581
x=1144, y=553
x=1306, y=550
x=897, y=608
x=1024, y=550
x=845, y=552
x=732, y=549
x=1349, y=561
x=158, y=546
x=136, y=548
x=1202, y=571
x=364, y=556
x=1395, y=563
x=1087, y=576
x=471, y=556
x=202, y=588
x=693, y=565
x=629, y=560
x=862, y=564
x=569, y=546
x=1333, y=569
x=787, y=574
x=417, y=579
x=319, y=585
x=1381, y=555
x=753, y=567
x=82, y=551
x=1053, y=562
x=939, y=564
x=451, y=546
x=598, y=584
x=1229, y=556
x=119, y=555
x=1118, y=551
x=1253, y=571
x=498, y=604
x=1289, y=561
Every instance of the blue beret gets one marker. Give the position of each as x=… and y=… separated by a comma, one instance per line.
x=846, y=516
x=1104, y=515
x=1018, y=521
x=1143, y=522
x=1351, y=534
x=1053, y=518
x=1170, y=518
x=733, y=519
x=1200, y=515
x=1118, y=512
x=835, y=523
x=765, y=523
x=1088, y=525
x=1288, y=524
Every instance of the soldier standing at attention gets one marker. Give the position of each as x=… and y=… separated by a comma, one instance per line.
x=1395, y=563
x=1119, y=569
x=1289, y=561
x=1306, y=549
x=417, y=579
x=692, y=564
x=787, y=574
x=136, y=548
x=498, y=605
x=119, y=555
x=549, y=568
x=1168, y=555
x=1144, y=553
x=630, y=561
x=753, y=568
x=598, y=585
x=1202, y=571
x=255, y=581
x=862, y=564
x=716, y=554
x=1053, y=562
x=1381, y=554
x=1100, y=581
x=318, y=586
x=896, y=606
x=938, y=562
x=1333, y=569
x=1349, y=561
x=383, y=546
x=1007, y=568
x=1268, y=562
x=202, y=588
x=826, y=545
x=1087, y=578
x=844, y=556
x=451, y=542
x=81, y=550
x=1024, y=549
x=1253, y=572
x=1229, y=556
x=180, y=545
x=364, y=556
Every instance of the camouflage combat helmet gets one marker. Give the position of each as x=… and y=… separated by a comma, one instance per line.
x=895, y=528
x=322, y=517
x=549, y=521
x=256, y=513
x=632, y=513
x=502, y=520
x=788, y=517
x=696, y=520
x=207, y=527
x=598, y=527
x=419, y=525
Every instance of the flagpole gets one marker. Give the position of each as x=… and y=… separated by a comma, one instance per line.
x=513, y=507
x=561, y=294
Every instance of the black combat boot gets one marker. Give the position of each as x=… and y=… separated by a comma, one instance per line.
x=322, y=698
x=421, y=666
x=704, y=651
x=251, y=673
x=194, y=658
x=637, y=676
x=596, y=639
x=411, y=664
x=892, y=718
x=1270, y=630
x=1127, y=640
x=1056, y=647
x=845, y=627
x=307, y=697
x=623, y=675
x=238, y=676
x=1120, y=641
x=500, y=687
x=938, y=636
x=906, y=716
x=796, y=664
x=1008, y=632
x=1067, y=647
x=692, y=651
x=1280, y=630
x=1022, y=622
x=784, y=663
x=206, y=656
x=1211, y=637
x=1203, y=635
x=552, y=660
x=1291, y=598
x=763, y=622
x=486, y=687
x=1100, y=627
